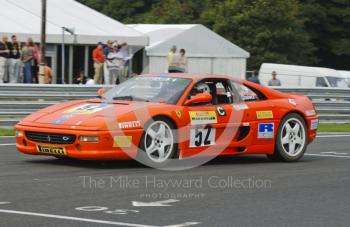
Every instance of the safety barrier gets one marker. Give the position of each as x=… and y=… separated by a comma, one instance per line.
x=332, y=104
x=18, y=100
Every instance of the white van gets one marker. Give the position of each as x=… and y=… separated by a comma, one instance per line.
x=346, y=76
x=301, y=76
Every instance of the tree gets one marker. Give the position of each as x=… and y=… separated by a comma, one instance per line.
x=271, y=31
x=306, y=32
x=124, y=11
x=177, y=11
x=329, y=27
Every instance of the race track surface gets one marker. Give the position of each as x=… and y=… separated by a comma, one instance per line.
x=231, y=191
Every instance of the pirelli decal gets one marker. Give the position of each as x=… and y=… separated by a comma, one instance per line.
x=203, y=117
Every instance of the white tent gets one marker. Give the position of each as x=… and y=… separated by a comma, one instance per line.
x=207, y=51
x=23, y=18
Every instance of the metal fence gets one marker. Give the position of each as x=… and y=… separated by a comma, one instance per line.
x=17, y=101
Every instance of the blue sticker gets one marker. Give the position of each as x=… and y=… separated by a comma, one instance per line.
x=61, y=119
x=266, y=131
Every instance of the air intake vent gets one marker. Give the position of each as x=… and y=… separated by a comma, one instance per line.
x=243, y=132
x=42, y=137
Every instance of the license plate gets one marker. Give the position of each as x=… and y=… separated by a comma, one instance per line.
x=51, y=150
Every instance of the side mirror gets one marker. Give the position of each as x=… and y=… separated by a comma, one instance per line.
x=199, y=98
x=101, y=92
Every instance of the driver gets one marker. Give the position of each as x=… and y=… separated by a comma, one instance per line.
x=200, y=88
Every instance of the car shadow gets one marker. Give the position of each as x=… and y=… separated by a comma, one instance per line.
x=133, y=164
x=93, y=164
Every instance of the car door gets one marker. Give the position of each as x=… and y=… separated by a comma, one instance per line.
x=260, y=114
x=208, y=121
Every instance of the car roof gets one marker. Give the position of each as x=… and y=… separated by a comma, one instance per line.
x=194, y=76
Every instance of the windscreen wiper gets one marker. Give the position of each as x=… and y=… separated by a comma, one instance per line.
x=130, y=98
x=127, y=97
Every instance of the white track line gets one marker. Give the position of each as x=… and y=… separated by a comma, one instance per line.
x=8, y=144
x=73, y=218
x=333, y=153
x=87, y=219
x=328, y=155
x=332, y=136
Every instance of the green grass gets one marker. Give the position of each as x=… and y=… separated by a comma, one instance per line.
x=321, y=128
x=7, y=132
x=334, y=128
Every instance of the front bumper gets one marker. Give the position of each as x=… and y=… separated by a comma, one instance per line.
x=105, y=149
x=312, y=124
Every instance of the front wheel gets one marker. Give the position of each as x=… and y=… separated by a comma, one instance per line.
x=158, y=144
x=292, y=139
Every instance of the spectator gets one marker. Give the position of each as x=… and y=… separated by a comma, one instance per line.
x=14, y=61
x=4, y=55
x=36, y=62
x=108, y=49
x=173, y=61
x=28, y=61
x=98, y=58
x=183, y=61
x=255, y=77
x=114, y=63
x=47, y=74
x=274, y=81
x=90, y=81
x=124, y=67
x=81, y=79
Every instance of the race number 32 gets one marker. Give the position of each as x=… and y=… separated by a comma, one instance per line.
x=200, y=137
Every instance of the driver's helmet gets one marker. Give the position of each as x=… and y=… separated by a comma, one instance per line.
x=202, y=88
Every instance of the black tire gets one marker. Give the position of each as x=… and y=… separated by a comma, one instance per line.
x=282, y=152
x=144, y=158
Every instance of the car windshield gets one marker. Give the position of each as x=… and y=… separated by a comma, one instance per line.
x=150, y=89
x=337, y=82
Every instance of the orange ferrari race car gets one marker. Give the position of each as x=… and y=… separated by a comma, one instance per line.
x=164, y=117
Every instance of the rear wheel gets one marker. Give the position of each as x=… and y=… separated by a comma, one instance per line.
x=158, y=144
x=292, y=140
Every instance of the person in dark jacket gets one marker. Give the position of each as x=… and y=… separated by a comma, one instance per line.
x=254, y=78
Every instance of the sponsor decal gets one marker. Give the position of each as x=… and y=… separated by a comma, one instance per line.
x=129, y=124
x=292, y=101
x=178, y=113
x=221, y=111
x=310, y=113
x=51, y=150
x=201, y=137
x=264, y=114
x=203, y=117
x=122, y=141
x=239, y=107
x=266, y=130
x=86, y=109
x=314, y=124
x=61, y=119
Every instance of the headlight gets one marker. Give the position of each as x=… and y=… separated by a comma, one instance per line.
x=89, y=139
x=19, y=133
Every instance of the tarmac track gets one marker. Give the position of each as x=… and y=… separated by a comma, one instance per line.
x=230, y=191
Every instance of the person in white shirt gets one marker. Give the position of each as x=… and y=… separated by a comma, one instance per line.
x=90, y=82
x=114, y=64
x=173, y=60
